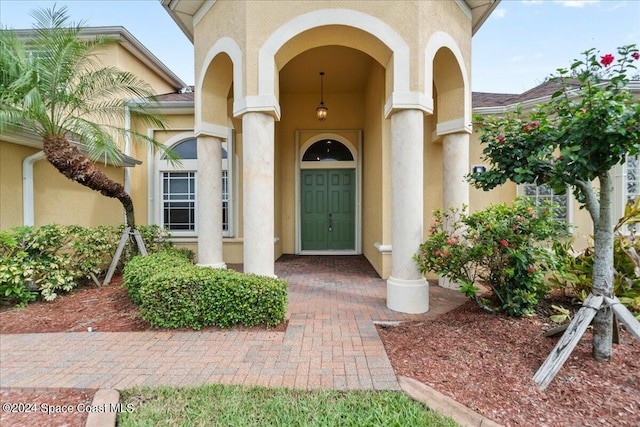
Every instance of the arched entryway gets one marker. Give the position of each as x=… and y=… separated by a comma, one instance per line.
x=328, y=194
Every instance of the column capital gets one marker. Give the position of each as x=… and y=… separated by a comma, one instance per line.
x=211, y=129
x=458, y=125
x=408, y=101
x=267, y=104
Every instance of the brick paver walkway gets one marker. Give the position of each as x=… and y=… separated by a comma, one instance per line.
x=331, y=342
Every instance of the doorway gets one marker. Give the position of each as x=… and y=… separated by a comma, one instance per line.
x=328, y=194
x=328, y=209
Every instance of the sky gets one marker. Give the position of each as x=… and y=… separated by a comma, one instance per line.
x=522, y=42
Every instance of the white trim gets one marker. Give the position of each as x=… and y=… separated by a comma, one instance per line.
x=28, y=202
x=330, y=252
x=453, y=126
x=408, y=100
x=301, y=146
x=465, y=8
x=383, y=249
x=324, y=17
x=211, y=129
x=202, y=11
x=437, y=41
x=257, y=103
x=230, y=47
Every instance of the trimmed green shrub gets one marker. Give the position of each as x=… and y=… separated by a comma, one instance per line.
x=142, y=268
x=507, y=248
x=174, y=293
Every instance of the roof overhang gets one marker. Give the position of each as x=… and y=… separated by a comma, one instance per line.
x=632, y=86
x=187, y=13
x=31, y=139
x=479, y=11
x=131, y=44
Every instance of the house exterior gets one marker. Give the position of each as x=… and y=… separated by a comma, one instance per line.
x=262, y=176
x=32, y=192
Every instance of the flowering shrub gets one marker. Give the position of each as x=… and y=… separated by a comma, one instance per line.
x=507, y=248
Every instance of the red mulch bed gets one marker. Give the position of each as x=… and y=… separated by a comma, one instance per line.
x=482, y=360
x=104, y=309
x=486, y=362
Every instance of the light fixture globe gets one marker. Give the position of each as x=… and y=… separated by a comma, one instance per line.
x=322, y=109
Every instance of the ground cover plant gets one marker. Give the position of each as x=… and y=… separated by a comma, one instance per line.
x=231, y=405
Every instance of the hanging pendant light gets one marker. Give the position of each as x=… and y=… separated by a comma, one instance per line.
x=321, y=111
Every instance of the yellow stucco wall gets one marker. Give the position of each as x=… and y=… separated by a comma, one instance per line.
x=376, y=194
x=63, y=201
x=57, y=199
x=250, y=24
x=117, y=56
x=11, y=157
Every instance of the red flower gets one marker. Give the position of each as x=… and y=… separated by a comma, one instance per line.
x=437, y=253
x=527, y=128
x=606, y=60
x=500, y=138
x=635, y=55
x=504, y=243
x=531, y=269
x=450, y=242
x=535, y=124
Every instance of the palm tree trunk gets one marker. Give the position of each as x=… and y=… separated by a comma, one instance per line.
x=72, y=163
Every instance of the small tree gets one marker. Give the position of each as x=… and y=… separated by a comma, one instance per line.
x=591, y=124
x=53, y=85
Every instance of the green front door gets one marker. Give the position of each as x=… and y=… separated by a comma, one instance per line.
x=328, y=209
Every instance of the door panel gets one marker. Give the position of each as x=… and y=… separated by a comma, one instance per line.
x=328, y=209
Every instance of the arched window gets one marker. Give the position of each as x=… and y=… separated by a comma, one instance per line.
x=178, y=190
x=327, y=150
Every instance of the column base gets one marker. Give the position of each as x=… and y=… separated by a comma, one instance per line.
x=443, y=282
x=215, y=265
x=408, y=296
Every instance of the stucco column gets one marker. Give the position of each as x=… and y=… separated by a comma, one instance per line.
x=456, y=166
x=455, y=189
x=407, y=289
x=258, y=192
x=210, y=202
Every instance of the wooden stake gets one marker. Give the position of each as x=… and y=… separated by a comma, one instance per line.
x=568, y=342
x=123, y=241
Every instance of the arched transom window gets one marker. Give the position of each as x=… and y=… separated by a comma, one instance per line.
x=327, y=150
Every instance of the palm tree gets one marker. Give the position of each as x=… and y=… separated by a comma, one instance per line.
x=53, y=85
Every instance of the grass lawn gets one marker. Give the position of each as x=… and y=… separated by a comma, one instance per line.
x=231, y=405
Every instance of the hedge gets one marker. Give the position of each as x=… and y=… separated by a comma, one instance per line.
x=174, y=293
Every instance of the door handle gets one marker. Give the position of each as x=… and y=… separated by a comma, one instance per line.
x=330, y=222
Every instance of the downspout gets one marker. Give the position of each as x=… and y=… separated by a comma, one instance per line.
x=127, y=146
x=27, y=188
x=127, y=151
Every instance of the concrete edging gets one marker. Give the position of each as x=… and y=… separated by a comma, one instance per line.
x=104, y=401
x=443, y=404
